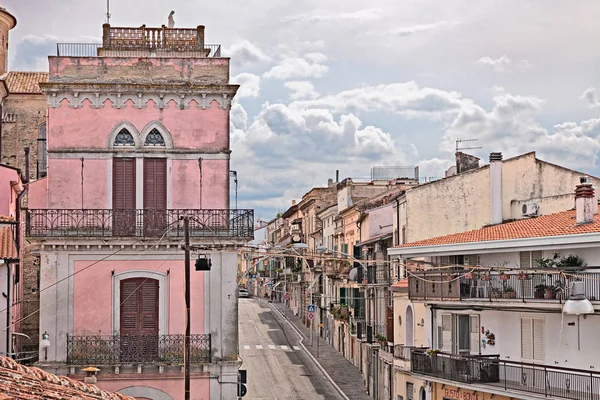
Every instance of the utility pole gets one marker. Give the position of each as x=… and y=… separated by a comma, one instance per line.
x=186, y=355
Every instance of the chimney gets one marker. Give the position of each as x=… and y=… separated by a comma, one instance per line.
x=587, y=180
x=293, y=202
x=337, y=175
x=495, y=188
x=465, y=162
x=584, y=202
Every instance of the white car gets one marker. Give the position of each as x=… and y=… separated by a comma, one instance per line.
x=243, y=293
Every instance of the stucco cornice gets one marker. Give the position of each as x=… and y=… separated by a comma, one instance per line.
x=183, y=95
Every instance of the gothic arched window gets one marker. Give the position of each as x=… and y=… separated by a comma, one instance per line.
x=124, y=138
x=154, y=138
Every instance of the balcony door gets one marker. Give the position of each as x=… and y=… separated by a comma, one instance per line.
x=123, y=192
x=139, y=319
x=155, y=196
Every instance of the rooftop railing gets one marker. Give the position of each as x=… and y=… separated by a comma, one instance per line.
x=98, y=50
x=494, y=285
x=551, y=382
x=139, y=223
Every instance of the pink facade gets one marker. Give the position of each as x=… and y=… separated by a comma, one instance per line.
x=134, y=145
x=10, y=184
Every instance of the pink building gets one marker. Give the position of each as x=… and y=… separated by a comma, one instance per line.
x=138, y=137
x=11, y=190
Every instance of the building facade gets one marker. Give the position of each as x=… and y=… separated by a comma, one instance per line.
x=138, y=142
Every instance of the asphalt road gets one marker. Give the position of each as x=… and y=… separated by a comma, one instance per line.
x=277, y=367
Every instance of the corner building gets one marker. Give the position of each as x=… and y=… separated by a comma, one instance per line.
x=138, y=137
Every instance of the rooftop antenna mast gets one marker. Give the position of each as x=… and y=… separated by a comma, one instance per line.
x=459, y=141
x=108, y=11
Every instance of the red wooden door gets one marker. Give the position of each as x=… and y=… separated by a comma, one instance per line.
x=124, y=214
x=139, y=319
x=155, y=196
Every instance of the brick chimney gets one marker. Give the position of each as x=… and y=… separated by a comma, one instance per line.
x=495, y=188
x=584, y=202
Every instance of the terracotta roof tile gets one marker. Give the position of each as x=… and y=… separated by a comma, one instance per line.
x=558, y=224
x=8, y=248
x=30, y=383
x=24, y=82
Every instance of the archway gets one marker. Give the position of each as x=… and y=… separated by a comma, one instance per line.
x=409, y=323
x=145, y=392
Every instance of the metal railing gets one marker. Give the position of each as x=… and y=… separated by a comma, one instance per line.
x=139, y=223
x=548, y=381
x=136, y=349
x=97, y=50
x=520, y=285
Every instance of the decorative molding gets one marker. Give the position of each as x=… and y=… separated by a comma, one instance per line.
x=115, y=131
x=182, y=101
x=131, y=152
x=163, y=131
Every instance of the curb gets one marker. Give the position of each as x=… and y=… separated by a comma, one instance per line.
x=313, y=359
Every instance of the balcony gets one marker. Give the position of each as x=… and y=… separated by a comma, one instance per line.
x=510, y=285
x=62, y=223
x=378, y=274
x=138, y=349
x=544, y=380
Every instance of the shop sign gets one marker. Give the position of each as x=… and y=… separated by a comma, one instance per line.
x=455, y=394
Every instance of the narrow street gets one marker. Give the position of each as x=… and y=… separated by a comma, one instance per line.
x=277, y=367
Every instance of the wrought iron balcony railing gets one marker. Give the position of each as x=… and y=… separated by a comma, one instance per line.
x=136, y=349
x=551, y=382
x=463, y=285
x=139, y=223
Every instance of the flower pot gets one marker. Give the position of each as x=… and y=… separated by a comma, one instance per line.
x=538, y=294
x=549, y=294
x=524, y=277
x=509, y=295
x=504, y=277
x=496, y=295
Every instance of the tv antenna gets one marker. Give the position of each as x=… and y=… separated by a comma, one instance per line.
x=108, y=11
x=459, y=141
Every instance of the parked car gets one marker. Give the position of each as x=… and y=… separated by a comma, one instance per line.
x=243, y=293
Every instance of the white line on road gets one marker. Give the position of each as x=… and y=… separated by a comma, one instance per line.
x=284, y=347
x=296, y=347
x=272, y=347
x=246, y=347
x=258, y=347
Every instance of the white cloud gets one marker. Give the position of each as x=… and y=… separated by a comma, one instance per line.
x=366, y=14
x=411, y=30
x=249, y=85
x=245, y=53
x=301, y=90
x=591, y=97
x=309, y=66
x=433, y=168
x=405, y=98
x=504, y=64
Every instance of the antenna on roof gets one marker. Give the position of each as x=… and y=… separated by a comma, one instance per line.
x=466, y=148
x=108, y=11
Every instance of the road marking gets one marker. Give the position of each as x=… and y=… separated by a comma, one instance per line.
x=246, y=347
x=296, y=347
x=284, y=347
x=258, y=347
x=272, y=347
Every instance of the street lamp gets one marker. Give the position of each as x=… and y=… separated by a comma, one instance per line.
x=45, y=343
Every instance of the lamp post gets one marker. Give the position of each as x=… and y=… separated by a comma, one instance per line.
x=45, y=343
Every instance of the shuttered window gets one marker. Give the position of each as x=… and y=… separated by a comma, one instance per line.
x=532, y=339
x=529, y=259
x=474, y=334
x=123, y=184
x=445, y=341
x=155, y=183
x=139, y=306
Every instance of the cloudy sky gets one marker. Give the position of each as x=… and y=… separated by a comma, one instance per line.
x=334, y=84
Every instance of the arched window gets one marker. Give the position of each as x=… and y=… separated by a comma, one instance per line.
x=154, y=138
x=124, y=138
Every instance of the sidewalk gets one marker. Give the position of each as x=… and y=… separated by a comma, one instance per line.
x=343, y=372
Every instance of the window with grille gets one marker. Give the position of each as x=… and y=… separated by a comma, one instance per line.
x=409, y=391
x=154, y=138
x=42, y=151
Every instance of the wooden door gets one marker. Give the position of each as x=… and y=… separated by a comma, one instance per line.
x=139, y=319
x=155, y=196
x=124, y=214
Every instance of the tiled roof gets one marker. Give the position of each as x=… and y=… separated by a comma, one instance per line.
x=30, y=383
x=558, y=224
x=7, y=244
x=24, y=82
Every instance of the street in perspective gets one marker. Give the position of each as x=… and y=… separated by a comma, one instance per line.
x=296, y=200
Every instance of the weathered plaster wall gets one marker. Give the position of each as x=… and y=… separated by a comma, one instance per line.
x=380, y=220
x=139, y=70
x=172, y=387
x=7, y=193
x=89, y=128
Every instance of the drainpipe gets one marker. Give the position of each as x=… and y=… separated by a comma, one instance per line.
x=26, y=149
x=397, y=222
x=8, y=307
x=200, y=170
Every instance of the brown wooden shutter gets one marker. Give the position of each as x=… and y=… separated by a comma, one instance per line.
x=123, y=183
x=129, y=307
x=139, y=306
x=155, y=184
x=149, y=307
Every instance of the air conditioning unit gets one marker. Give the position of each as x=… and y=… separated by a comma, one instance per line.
x=529, y=209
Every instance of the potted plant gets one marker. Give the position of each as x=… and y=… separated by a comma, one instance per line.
x=381, y=339
x=549, y=293
x=504, y=276
x=572, y=263
x=540, y=291
x=509, y=293
x=523, y=276
x=432, y=352
x=496, y=293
